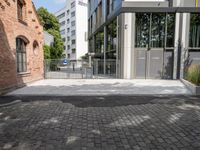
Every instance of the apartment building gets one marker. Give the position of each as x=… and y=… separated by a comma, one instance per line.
x=21, y=44
x=73, y=28
x=146, y=39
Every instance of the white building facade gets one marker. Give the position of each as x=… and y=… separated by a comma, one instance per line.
x=48, y=39
x=73, y=28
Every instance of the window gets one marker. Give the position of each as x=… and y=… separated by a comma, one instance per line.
x=62, y=32
x=73, y=42
x=68, y=29
x=73, y=32
x=73, y=4
x=63, y=39
x=99, y=51
x=73, y=14
x=73, y=23
x=68, y=21
x=195, y=31
x=155, y=30
x=61, y=16
x=73, y=50
x=68, y=56
x=112, y=36
x=62, y=23
x=35, y=47
x=67, y=12
x=111, y=5
x=20, y=7
x=111, y=51
x=68, y=47
x=68, y=38
x=21, y=55
x=82, y=3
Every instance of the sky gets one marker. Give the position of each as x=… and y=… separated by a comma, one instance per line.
x=51, y=5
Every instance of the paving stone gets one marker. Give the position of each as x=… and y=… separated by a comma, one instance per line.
x=55, y=125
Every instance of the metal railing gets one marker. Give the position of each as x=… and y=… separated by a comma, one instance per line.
x=63, y=69
x=79, y=69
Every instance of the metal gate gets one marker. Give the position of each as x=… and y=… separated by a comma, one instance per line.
x=63, y=69
x=154, y=64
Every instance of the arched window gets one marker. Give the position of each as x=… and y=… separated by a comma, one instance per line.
x=21, y=55
x=35, y=47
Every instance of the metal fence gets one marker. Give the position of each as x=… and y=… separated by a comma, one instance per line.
x=79, y=69
x=62, y=69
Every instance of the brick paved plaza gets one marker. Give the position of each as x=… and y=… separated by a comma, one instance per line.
x=172, y=123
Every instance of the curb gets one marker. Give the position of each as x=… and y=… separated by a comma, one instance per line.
x=11, y=103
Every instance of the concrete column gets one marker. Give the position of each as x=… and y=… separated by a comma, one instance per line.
x=127, y=47
x=176, y=44
x=121, y=44
x=184, y=41
x=133, y=52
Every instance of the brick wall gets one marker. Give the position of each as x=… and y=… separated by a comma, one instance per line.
x=10, y=28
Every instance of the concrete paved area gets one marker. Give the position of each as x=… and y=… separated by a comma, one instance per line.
x=103, y=87
x=169, y=123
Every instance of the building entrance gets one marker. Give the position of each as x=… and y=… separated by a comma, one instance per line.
x=154, y=45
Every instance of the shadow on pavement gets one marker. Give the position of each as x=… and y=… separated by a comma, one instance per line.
x=106, y=101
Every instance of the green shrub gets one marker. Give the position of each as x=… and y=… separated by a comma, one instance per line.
x=193, y=74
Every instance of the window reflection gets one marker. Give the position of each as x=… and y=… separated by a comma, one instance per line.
x=151, y=29
x=111, y=49
x=142, y=29
x=195, y=31
x=99, y=53
x=157, y=30
x=170, y=30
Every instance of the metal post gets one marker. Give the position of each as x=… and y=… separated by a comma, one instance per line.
x=90, y=61
x=105, y=48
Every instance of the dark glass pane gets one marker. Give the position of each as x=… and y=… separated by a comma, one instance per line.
x=116, y=3
x=170, y=30
x=111, y=48
x=99, y=42
x=91, y=49
x=21, y=55
x=112, y=36
x=99, y=53
x=158, y=30
x=195, y=30
x=142, y=29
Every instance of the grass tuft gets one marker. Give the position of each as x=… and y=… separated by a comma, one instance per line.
x=193, y=74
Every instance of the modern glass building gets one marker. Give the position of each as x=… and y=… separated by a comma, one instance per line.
x=146, y=39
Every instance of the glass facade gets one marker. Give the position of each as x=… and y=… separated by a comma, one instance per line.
x=105, y=59
x=111, y=51
x=154, y=36
x=112, y=5
x=194, y=41
x=155, y=30
x=98, y=11
x=99, y=53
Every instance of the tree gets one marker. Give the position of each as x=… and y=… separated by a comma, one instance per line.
x=47, y=54
x=51, y=25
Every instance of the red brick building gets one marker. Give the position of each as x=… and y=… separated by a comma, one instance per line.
x=21, y=44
